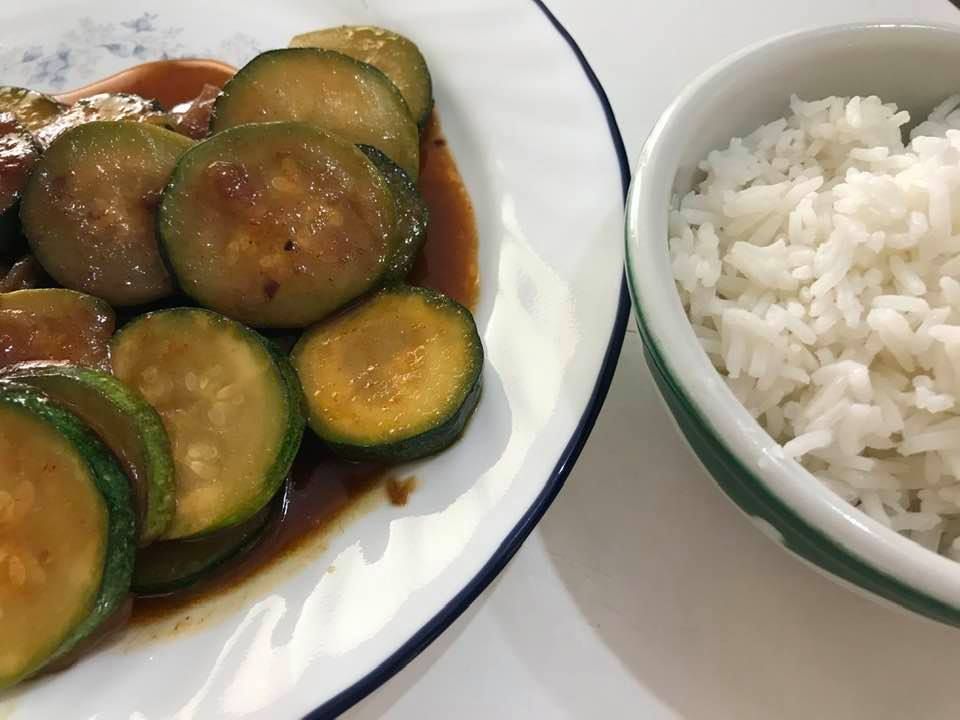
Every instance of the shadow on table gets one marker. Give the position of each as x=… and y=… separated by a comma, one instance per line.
x=708, y=615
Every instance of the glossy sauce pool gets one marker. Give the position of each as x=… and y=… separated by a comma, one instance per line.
x=322, y=490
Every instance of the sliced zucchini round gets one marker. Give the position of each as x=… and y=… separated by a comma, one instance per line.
x=66, y=532
x=54, y=324
x=125, y=422
x=104, y=107
x=336, y=92
x=276, y=224
x=32, y=109
x=89, y=209
x=172, y=565
x=391, y=53
x=413, y=216
x=233, y=417
x=393, y=378
x=18, y=153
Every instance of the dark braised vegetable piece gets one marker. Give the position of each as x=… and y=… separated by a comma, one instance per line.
x=276, y=224
x=89, y=209
x=102, y=107
x=24, y=274
x=413, y=215
x=55, y=324
x=33, y=110
x=345, y=96
x=18, y=153
x=192, y=118
x=393, y=54
x=66, y=532
x=393, y=378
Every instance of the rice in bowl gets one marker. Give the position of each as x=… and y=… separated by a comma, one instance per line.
x=818, y=265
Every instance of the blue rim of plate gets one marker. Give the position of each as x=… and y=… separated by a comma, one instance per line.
x=345, y=699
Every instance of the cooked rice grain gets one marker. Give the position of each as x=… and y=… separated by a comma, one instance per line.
x=819, y=265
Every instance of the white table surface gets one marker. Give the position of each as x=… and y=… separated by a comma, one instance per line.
x=643, y=592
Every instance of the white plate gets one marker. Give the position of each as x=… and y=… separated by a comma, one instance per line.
x=541, y=155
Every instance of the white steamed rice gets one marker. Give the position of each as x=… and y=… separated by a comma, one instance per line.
x=819, y=263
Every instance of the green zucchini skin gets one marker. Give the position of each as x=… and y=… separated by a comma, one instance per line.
x=297, y=422
x=413, y=215
x=429, y=443
x=115, y=490
x=295, y=84
x=298, y=403
x=120, y=165
x=391, y=53
x=172, y=565
x=443, y=431
x=276, y=269
x=125, y=422
x=292, y=412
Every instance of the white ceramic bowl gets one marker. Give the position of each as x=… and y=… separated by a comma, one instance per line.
x=912, y=65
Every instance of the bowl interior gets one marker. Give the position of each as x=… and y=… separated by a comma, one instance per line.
x=911, y=65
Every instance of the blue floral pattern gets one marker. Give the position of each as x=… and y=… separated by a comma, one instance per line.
x=74, y=57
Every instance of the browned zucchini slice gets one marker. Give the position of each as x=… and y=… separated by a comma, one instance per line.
x=101, y=107
x=393, y=378
x=89, y=209
x=54, y=324
x=396, y=56
x=231, y=406
x=276, y=224
x=345, y=96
